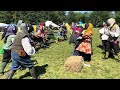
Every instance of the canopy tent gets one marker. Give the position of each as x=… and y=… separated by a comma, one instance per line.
x=3, y=25
x=47, y=23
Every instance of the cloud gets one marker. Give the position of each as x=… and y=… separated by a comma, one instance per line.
x=77, y=11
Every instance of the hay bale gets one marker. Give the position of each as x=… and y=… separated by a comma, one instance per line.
x=74, y=64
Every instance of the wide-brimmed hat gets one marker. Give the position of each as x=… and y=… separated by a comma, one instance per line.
x=111, y=21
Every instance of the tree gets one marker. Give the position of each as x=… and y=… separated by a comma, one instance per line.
x=117, y=17
x=71, y=17
x=98, y=17
x=80, y=17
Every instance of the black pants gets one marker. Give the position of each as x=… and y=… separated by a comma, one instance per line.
x=65, y=37
x=104, y=45
x=111, y=46
x=87, y=57
x=6, y=56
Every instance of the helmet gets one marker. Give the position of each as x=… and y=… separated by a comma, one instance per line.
x=11, y=29
x=24, y=27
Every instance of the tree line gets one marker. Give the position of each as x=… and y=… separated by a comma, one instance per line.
x=35, y=17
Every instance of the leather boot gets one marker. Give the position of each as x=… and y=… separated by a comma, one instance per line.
x=33, y=73
x=10, y=74
x=111, y=55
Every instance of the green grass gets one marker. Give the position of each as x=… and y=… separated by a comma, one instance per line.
x=55, y=57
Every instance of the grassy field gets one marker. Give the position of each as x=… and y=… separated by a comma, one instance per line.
x=51, y=63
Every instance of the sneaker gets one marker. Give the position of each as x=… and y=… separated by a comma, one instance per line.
x=87, y=65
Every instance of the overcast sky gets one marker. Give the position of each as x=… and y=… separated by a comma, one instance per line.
x=82, y=11
x=79, y=11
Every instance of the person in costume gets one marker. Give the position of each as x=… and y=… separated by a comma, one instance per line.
x=83, y=45
x=62, y=33
x=113, y=40
x=104, y=35
x=76, y=31
x=39, y=34
x=9, y=36
x=21, y=52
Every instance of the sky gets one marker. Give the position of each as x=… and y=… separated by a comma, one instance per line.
x=78, y=11
x=82, y=11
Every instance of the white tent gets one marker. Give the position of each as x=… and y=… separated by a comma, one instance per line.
x=47, y=23
x=3, y=25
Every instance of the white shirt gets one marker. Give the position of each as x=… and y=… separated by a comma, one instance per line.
x=104, y=31
x=27, y=46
